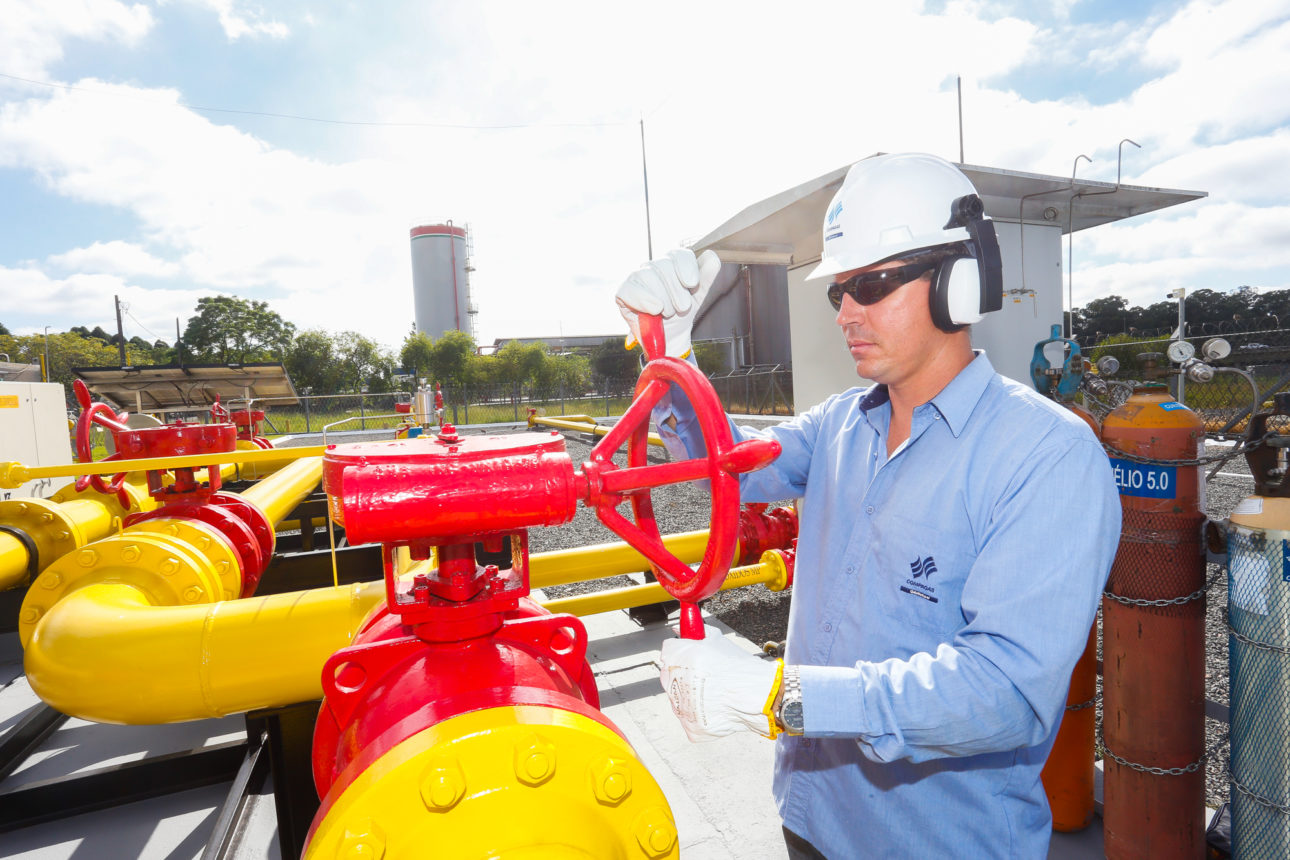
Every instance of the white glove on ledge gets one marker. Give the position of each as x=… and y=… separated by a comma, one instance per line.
x=716, y=688
x=674, y=286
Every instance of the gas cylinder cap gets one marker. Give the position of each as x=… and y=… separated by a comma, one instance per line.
x=448, y=433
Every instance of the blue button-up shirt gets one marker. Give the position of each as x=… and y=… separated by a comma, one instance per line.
x=942, y=598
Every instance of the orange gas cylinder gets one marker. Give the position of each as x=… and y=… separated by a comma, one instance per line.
x=1153, y=634
x=1068, y=774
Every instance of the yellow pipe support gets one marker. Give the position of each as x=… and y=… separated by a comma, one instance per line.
x=767, y=572
x=108, y=653
x=581, y=424
x=607, y=559
x=14, y=474
x=280, y=493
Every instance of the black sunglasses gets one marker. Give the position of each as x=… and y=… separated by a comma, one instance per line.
x=868, y=288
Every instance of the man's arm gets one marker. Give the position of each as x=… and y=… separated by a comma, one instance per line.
x=1028, y=601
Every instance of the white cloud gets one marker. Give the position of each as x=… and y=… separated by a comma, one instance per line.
x=87, y=299
x=114, y=258
x=34, y=33
x=240, y=19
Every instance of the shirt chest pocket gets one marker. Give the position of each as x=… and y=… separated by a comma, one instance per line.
x=917, y=572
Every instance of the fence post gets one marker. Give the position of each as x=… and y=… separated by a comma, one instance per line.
x=561, y=396
x=515, y=400
x=606, y=396
x=362, y=414
x=306, y=400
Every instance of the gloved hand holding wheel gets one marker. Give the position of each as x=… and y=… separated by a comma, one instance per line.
x=673, y=287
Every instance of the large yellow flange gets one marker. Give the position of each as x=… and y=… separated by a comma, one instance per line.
x=50, y=528
x=168, y=570
x=520, y=781
x=208, y=542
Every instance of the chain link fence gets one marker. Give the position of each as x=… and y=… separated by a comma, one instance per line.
x=1259, y=660
x=755, y=392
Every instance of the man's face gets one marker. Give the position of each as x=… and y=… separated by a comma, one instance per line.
x=892, y=338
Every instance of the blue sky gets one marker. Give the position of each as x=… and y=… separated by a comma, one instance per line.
x=113, y=182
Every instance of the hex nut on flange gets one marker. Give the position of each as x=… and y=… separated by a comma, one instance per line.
x=364, y=840
x=655, y=832
x=611, y=781
x=534, y=760
x=443, y=785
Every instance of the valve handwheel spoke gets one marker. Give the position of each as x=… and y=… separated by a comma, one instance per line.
x=101, y=414
x=720, y=467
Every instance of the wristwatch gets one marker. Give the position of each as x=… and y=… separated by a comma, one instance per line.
x=790, y=703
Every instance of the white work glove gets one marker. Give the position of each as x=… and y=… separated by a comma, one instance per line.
x=674, y=286
x=716, y=688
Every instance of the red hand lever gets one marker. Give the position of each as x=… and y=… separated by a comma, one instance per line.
x=101, y=414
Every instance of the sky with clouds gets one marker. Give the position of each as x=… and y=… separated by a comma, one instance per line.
x=172, y=149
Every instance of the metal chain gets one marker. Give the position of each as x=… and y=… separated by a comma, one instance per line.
x=1082, y=705
x=1261, y=801
x=1172, y=601
x=1254, y=643
x=1237, y=451
x=1166, y=771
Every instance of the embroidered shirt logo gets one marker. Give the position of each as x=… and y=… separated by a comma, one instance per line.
x=923, y=567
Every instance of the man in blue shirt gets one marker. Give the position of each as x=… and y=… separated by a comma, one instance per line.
x=956, y=533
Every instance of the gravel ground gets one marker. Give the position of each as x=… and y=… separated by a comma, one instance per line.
x=760, y=615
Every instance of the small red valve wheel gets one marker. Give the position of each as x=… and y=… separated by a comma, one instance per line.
x=101, y=414
x=724, y=463
x=219, y=415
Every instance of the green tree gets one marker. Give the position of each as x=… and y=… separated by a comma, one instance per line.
x=518, y=363
x=416, y=354
x=229, y=330
x=611, y=360
x=68, y=350
x=3, y=330
x=362, y=362
x=712, y=357
x=452, y=358
x=311, y=362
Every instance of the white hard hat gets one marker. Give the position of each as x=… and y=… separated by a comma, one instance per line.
x=891, y=206
x=888, y=205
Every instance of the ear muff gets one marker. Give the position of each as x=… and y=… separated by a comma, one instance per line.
x=968, y=285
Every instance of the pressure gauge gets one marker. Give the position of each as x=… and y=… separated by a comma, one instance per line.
x=1180, y=350
x=1215, y=349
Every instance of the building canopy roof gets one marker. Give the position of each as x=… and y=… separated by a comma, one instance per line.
x=785, y=229
x=176, y=389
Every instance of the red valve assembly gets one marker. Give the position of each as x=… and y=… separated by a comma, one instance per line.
x=459, y=658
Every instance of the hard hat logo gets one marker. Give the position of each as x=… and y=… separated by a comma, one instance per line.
x=834, y=212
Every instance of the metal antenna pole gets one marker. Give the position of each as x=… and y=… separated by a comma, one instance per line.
x=960, y=80
x=649, y=236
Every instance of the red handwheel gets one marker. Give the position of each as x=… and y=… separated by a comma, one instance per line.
x=725, y=461
x=101, y=414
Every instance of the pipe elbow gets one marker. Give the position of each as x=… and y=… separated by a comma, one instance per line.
x=106, y=653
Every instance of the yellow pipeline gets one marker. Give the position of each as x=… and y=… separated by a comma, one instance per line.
x=770, y=571
x=581, y=424
x=56, y=526
x=13, y=474
x=607, y=559
x=280, y=493
x=106, y=653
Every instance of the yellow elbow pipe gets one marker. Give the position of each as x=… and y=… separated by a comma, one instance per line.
x=108, y=653
x=280, y=493
x=607, y=559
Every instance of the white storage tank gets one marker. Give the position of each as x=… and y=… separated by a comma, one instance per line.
x=440, y=283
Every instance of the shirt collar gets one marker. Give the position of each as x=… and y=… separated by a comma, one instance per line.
x=955, y=401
